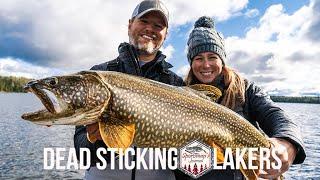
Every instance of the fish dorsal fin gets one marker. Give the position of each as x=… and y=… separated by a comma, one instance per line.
x=116, y=134
x=211, y=91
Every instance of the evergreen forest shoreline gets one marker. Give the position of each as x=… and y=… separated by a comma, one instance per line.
x=15, y=84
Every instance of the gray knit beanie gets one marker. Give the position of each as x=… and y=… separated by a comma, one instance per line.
x=204, y=38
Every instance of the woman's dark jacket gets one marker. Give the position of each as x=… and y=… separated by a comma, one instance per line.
x=262, y=112
x=265, y=115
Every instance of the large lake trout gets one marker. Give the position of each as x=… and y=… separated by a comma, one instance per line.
x=135, y=110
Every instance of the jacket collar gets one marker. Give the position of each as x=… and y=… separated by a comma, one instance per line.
x=128, y=55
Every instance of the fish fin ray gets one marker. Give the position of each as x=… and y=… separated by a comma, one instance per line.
x=117, y=135
x=219, y=151
x=210, y=91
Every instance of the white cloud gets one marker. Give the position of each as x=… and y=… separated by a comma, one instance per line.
x=168, y=51
x=183, y=11
x=17, y=67
x=77, y=33
x=183, y=71
x=82, y=33
x=251, y=13
x=277, y=52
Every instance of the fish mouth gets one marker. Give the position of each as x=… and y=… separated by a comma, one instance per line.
x=54, y=108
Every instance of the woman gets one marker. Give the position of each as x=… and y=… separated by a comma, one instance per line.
x=206, y=55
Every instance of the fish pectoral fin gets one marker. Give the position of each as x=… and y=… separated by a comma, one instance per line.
x=219, y=151
x=117, y=135
x=211, y=91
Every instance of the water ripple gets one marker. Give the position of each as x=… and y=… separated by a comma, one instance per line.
x=22, y=143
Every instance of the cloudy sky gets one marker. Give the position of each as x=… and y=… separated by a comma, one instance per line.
x=274, y=43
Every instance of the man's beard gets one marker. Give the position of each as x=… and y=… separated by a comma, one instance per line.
x=148, y=48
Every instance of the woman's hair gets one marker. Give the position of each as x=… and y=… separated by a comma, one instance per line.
x=204, y=38
x=235, y=87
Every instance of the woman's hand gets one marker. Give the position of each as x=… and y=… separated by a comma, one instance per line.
x=286, y=152
x=93, y=132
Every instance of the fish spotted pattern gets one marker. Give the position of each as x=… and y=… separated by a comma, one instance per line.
x=134, y=110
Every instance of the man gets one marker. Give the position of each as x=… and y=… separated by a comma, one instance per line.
x=147, y=31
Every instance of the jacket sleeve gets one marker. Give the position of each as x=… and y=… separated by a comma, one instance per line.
x=81, y=141
x=175, y=80
x=273, y=120
x=178, y=81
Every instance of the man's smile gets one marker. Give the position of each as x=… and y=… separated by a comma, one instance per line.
x=149, y=37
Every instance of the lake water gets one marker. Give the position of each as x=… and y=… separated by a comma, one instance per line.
x=22, y=143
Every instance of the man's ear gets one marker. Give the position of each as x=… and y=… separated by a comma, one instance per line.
x=129, y=25
x=167, y=32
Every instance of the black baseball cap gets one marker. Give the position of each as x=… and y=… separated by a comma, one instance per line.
x=151, y=5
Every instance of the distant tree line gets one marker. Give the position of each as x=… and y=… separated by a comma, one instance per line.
x=303, y=99
x=12, y=84
x=15, y=84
